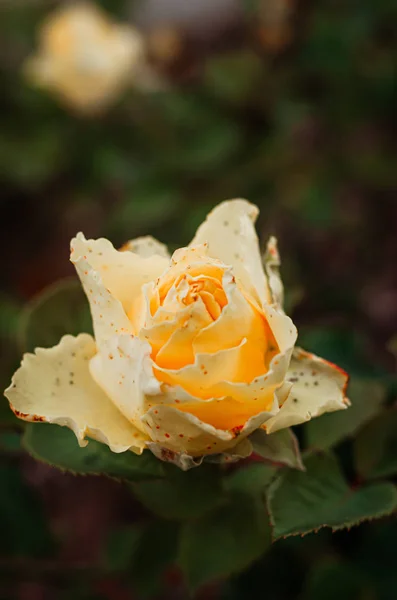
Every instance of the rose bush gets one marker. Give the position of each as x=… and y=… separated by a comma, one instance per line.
x=85, y=58
x=191, y=353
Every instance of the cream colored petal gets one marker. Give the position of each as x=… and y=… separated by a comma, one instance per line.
x=282, y=327
x=146, y=246
x=122, y=273
x=185, y=433
x=241, y=450
x=230, y=233
x=180, y=459
x=271, y=262
x=318, y=387
x=108, y=315
x=123, y=369
x=54, y=385
x=185, y=462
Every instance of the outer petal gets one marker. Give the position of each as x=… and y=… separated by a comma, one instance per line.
x=185, y=462
x=123, y=273
x=112, y=281
x=108, y=315
x=123, y=369
x=318, y=387
x=271, y=261
x=231, y=236
x=54, y=385
x=185, y=433
x=146, y=246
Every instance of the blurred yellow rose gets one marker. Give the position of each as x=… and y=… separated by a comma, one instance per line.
x=191, y=353
x=85, y=58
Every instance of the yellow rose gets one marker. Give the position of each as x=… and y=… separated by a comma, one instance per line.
x=191, y=353
x=85, y=58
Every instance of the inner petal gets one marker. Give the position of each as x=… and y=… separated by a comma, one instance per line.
x=177, y=352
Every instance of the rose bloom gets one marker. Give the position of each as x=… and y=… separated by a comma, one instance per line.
x=191, y=353
x=84, y=57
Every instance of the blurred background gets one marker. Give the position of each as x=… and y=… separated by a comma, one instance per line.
x=139, y=120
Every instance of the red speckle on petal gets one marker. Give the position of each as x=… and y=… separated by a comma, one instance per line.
x=167, y=435
x=237, y=430
x=181, y=435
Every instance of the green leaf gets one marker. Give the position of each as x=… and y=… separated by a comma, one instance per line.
x=10, y=441
x=156, y=550
x=182, y=494
x=250, y=479
x=225, y=541
x=301, y=502
x=121, y=547
x=58, y=447
x=375, y=447
x=367, y=396
x=143, y=552
x=60, y=309
x=280, y=448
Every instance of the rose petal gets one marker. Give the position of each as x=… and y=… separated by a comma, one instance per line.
x=259, y=388
x=182, y=432
x=282, y=327
x=271, y=262
x=123, y=273
x=108, y=315
x=230, y=233
x=54, y=385
x=112, y=281
x=146, y=246
x=177, y=352
x=123, y=369
x=241, y=450
x=180, y=459
x=207, y=370
x=185, y=462
x=158, y=329
x=237, y=318
x=229, y=414
x=90, y=57
x=318, y=387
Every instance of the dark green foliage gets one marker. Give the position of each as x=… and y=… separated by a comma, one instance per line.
x=58, y=447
